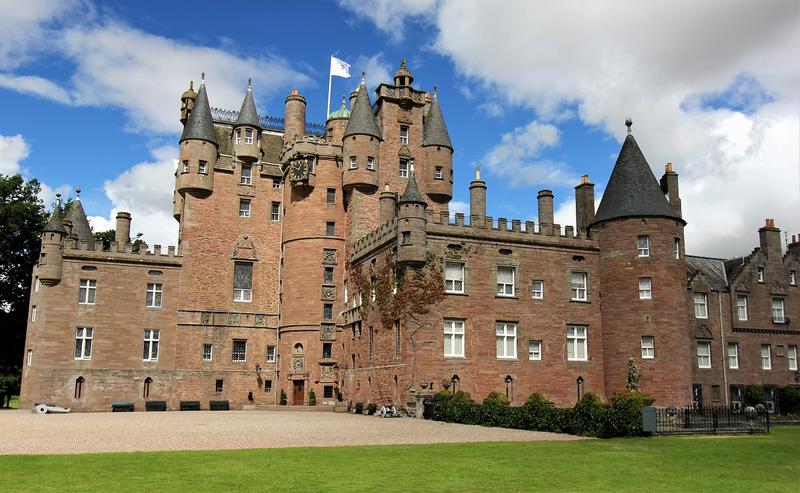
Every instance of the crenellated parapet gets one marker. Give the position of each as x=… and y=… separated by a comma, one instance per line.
x=485, y=227
x=377, y=239
x=121, y=252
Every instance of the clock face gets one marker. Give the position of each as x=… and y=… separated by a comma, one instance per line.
x=299, y=170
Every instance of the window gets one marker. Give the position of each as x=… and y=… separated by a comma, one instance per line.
x=645, y=288
x=239, y=352
x=243, y=281
x=454, y=338
x=353, y=162
x=87, y=291
x=403, y=171
x=677, y=248
x=327, y=392
x=741, y=307
x=202, y=168
x=578, y=286
x=453, y=277
x=537, y=290
x=373, y=290
x=346, y=291
x=700, y=305
x=331, y=199
x=760, y=274
x=146, y=390
x=244, y=207
x=29, y=357
x=239, y=136
x=792, y=278
x=330, y=228
x=150, y=349
x=328, y=277
x=207, y=352
x=276, y=183
x=36, y=284
x=505, y=281
x=83, y=342
x=777, y=310
x=248, y=136
x=577, y=347
x=766, y=357
x=438, y=173
x=276, y=211
x=733, y=355
x=327, y=350
x=534, y=350
x=371, y=353
x=218, y=385
x=271, y=354
x=185, y=167
x=397, y=339
x=247, y=174
x=791, y=357
x=154, y=295
x=327, y=311
x=79, y=387
x=406, y=237
x=506, y=337
x=643, y=246
x=267, y=386
x=648, y=347
x=403, y=134
x=703, y=354
x=370, y=163
x=33, y=313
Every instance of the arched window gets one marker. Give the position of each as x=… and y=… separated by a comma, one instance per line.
x=298, y=348
x=509, y=388
x=79, y=387
x=146, y=391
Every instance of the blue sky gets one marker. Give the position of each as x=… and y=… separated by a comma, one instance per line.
x=535, y=93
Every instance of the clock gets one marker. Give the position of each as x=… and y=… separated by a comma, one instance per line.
x=299, y=170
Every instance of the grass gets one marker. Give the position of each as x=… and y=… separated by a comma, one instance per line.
x=14, y=404
x=739, y=463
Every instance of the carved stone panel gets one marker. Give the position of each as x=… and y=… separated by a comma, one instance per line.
x=327, y=332
x=233, y=319
x=326, y=373
x=298, y=364
x=328, y=256
x=328, y=293
x=206, y=318
x=261, y=320
x=244, y=249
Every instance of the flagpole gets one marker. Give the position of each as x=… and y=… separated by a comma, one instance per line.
x=330, y=78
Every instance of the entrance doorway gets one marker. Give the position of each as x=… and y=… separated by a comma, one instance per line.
x=298, y=392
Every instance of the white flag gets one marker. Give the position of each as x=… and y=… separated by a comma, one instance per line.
x=340, y=68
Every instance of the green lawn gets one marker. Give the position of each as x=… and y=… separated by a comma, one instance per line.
x=741, y=463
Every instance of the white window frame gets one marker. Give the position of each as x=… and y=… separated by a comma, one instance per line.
x=677, y=248
x=760, y=274
x=704, y=354
x=403, y=168
x=83, y=343
x=238, y=356
x=150, y=348
x=247, y=174
x=534, y=350
x=643, y=246
x=454, y=284
x=506, y=289
x=202, y=167
x=648, y=347
x=404, y=134
x=792, y=278
x=778, y=310
x=185, y=168
x=577, y=340
x=537, y=289
x=210, y=355
x=700, y=305
x=238, y=135
x=438, y=173
x=243, y=295
x=579, y=288
x=155, y=295
x=453, y=332
x=645, y=288
x=244, y=207
x=248, y=135
x=791, y=356
x=275, y=211
x=29, y=357
x=353, y=162
x=33, y=313
x=87, y=292
x=271, y=354
x=505, y=338
x=766, y=357
x=741, y=307
x=370, y=163
x=733, y=355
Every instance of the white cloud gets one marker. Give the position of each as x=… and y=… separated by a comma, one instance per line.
x=390, y=16
x=376, y=68
x=459, y=208
x=48, y=194
x=26, y=26
x=36, y=86
x=13, y=149
x=492, y=109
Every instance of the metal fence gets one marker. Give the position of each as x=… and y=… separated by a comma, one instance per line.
x=267, y=122
x=705, y=420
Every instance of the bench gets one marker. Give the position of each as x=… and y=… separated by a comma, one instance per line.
x=155, y=406
x=190, y=405
x=122, y=407
x=219, y=405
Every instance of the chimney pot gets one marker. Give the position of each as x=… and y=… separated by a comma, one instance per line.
x=584, y=179
x=668, y=167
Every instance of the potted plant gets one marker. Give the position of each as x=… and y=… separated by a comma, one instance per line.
x=283, y=398
x=312, y=398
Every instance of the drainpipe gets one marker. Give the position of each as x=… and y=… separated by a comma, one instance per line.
x=724, y=350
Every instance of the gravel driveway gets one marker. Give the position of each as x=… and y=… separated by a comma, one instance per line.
x=22, y=432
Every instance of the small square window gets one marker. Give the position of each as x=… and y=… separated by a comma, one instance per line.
x=534, y=350
x=270, y=354
x=371, y=163
x=643, y=246
x=438, y=173
x=276, y=183
x=327, y=392
x=330, y=228
x=331, y=198
x=207, y=352
x=202, y=168
x=406, y=237
x=353, y=162
x=645, y=288
x=537, y=290
x=275, y=213
x=239, y=353
x=648, y=347
x=403, y=170
x=244, y=208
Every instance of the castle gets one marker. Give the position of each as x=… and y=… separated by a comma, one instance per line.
x=297, y=242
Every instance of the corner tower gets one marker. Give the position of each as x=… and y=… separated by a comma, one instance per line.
x=438, y=151
x=198, y=151
x=643, y=281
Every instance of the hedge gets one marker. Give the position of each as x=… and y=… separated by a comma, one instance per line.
x=590, y=416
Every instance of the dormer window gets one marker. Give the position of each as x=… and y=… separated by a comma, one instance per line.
x=239, y=136
x=403, y=134
x=248, y=136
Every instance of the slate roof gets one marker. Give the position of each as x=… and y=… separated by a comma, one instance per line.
x=54, y=224
x=434, y=130
x=733, y=266
x=272, y=145
x=80, y=225
x=362, y=120
x=412, y=192
x=248, y=114
x=632, y=189
x=200, y=124
x=713, y=270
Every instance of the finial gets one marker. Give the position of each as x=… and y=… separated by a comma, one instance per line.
x=363, y=77
x=629, y=123
x=191, y=85
x=249, y=83
x=202, y=78
x=435, y=91
x=58, y=199
x=386, y=187
x=477, y=173
x=78, y=192
x=403, y=63
x=344, y=102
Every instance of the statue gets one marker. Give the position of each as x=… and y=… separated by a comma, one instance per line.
x=633, y=376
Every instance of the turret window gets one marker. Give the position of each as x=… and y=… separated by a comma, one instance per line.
x=202, y=168
x=248, y=136
x=247, y=174
x=403, y=170
x=186, y=166
x=87, y=292
x=403, y=134
x=239, y=136
x=243, y=281
x=244, y=208
x=330, y=228
x=645, y=288
x=406, y=237
x=438, y=173
x=353, y=162
x=677, y=248
x=371, y=163
x=643, y=246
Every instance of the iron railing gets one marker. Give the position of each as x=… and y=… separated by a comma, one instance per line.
x=267, y=122
x=708, y=420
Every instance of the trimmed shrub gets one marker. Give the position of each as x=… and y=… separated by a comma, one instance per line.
x=539, y=414
x=754, y=395
x=495, y=411
x=624, y=417
x=789, y=398
x=589, y=416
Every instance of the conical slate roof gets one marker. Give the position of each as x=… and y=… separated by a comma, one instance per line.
x=434, y=130
x=80, y=225
x=248, y=114
x=632, y=190
x=412, y=192
x=362, y=120
x=200, y=125
x=54, y=223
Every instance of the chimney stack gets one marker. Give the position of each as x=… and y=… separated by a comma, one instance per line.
x=770, y=239
x=477, y=198
x=295, y=117
x=584, y=204
x=669, y=185
x=122, y=235
x=546, y=212
x=388, y=204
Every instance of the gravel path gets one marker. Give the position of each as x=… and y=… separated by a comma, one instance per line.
x=23, y=432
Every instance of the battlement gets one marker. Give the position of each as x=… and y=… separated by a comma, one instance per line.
x=383, y=234
x=310, y=144
x=116, y=252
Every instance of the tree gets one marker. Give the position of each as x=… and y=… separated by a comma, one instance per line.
x=22, y=218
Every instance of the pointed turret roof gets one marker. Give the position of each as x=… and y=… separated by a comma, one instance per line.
x=434, y=130
x=54, y=223
x=412, y=192
x=362, y=119
x=200, y=125
x=632, y=189
x=248, y=114
x=80, y=225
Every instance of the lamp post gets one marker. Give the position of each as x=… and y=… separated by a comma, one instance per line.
x=579, y=382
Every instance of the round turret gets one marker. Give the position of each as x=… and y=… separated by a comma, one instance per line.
x=412, y=241
x=403, y=77
x=438, y=150
x=51, y=255
x=198, y=150
x=388, y=204
x=361, y=145
x=246, y=133
x=187, y=102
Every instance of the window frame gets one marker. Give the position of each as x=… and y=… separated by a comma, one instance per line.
x=87, y=294
x=456, y=328
x=535, y=354
x=792, y=278
x=741, y=307
x=210, y=356
x=403, y=171
x=760, y=274
x=702, y=303
x=330, y=197
x=245, y=206
x=202, y=167
x=330, y=228
x=648, y=346
x=185, y=167
x=576, y=289
x=502, y=288
x=404, y=131
x=275, y=211
x=246, y=178
x=238, y=356
x=438, y=173
x=778, y=310
x=86, y=337
x=370, y=163
x=248, y=135
x=271, y=355
x=791, y=357
x=766, y=359
x=505, y=336
x=154, y=297
x=677, y=248
x=152, y=338
x=576, y=339
x=703, y=357
x=353, y=162
x=646, y=291
x=450, y=284
x=245, y=294
x=643, y=247
x=534, y=291
x=733, y=359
